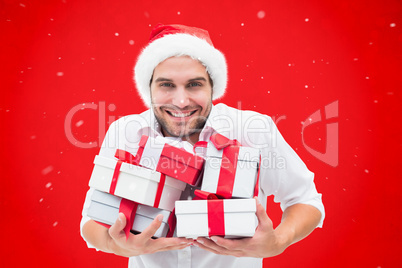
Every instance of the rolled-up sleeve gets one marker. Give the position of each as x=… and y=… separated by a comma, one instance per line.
x=284, y=175
x=107, y=150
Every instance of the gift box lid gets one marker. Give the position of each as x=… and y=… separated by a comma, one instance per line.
x=183, y=156
x=201, y=207
x=245, y=153
x=170, y=151
x=138, y=171
x=143, y=210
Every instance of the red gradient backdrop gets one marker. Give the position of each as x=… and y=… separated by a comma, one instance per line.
x=286, y=59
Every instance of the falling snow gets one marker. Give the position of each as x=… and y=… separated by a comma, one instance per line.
x=392, y=25
x=131, y=42
x=59, y=73
x=306, y=19
x=116, y=34
x=47, y=170
x=40, y=200
x=366, y=171
x=261, y=14
x=79, y=123
x=48, y=185
x=55, y=224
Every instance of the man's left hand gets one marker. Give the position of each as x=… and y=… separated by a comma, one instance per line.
x=266, y=242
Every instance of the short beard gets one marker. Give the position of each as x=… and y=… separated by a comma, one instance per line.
x=184, y=132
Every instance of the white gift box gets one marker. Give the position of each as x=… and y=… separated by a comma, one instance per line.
x=104, y=208
x=135, y=183
x=245, y=177
x=239, y=218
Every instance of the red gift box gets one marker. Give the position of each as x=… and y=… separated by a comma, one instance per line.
x=156, y=154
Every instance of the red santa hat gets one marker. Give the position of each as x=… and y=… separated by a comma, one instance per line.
x=178, y=40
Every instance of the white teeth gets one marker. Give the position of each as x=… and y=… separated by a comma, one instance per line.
x=181, y=114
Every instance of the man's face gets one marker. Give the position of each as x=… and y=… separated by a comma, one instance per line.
x=181, y=95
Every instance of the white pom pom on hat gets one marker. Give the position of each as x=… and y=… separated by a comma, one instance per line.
x=179, y=40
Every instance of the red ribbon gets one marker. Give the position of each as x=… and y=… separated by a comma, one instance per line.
x=221, y=141
x=171, y=223
x=124, y=156
x=203, y=195
x=256, y=188
x=216, y=217
x=115, y=177
x=159, y=190
x=202, y=144
x=128, y=208
x=141, y=144
x=230, y=155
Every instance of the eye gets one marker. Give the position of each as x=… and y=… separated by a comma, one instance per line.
x=166, y=84
x=194, y=84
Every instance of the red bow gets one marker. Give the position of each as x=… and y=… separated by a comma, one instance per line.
x=216, y=215
x=229, y=160
x=221, y=141
x=227, y=173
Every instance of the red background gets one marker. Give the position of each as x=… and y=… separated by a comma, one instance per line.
x=286, y=58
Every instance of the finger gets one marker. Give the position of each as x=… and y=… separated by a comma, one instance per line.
x=231, y=244
x=161, y=243
x=212, y=247
x=211, y=244
x=116, y=230
x=151, y=229
x=264, y=222
x=177, y=246
x=202, y=245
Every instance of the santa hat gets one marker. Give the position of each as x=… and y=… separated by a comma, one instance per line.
x=178, y=40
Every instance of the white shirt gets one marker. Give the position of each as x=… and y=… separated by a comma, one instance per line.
x=283, y=174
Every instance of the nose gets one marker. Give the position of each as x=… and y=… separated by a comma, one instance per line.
x=180, y=97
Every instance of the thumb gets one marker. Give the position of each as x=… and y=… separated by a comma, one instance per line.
x=264, y=222
x=152, y=228
x=116, y=230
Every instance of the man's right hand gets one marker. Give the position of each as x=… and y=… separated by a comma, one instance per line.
x=117, y=243
x=141, y=243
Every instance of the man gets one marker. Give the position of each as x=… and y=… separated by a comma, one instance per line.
x=178, y=75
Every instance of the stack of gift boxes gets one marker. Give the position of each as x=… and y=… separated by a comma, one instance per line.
x=152, y=181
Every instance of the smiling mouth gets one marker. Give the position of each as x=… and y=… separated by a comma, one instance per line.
x=180, y=114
